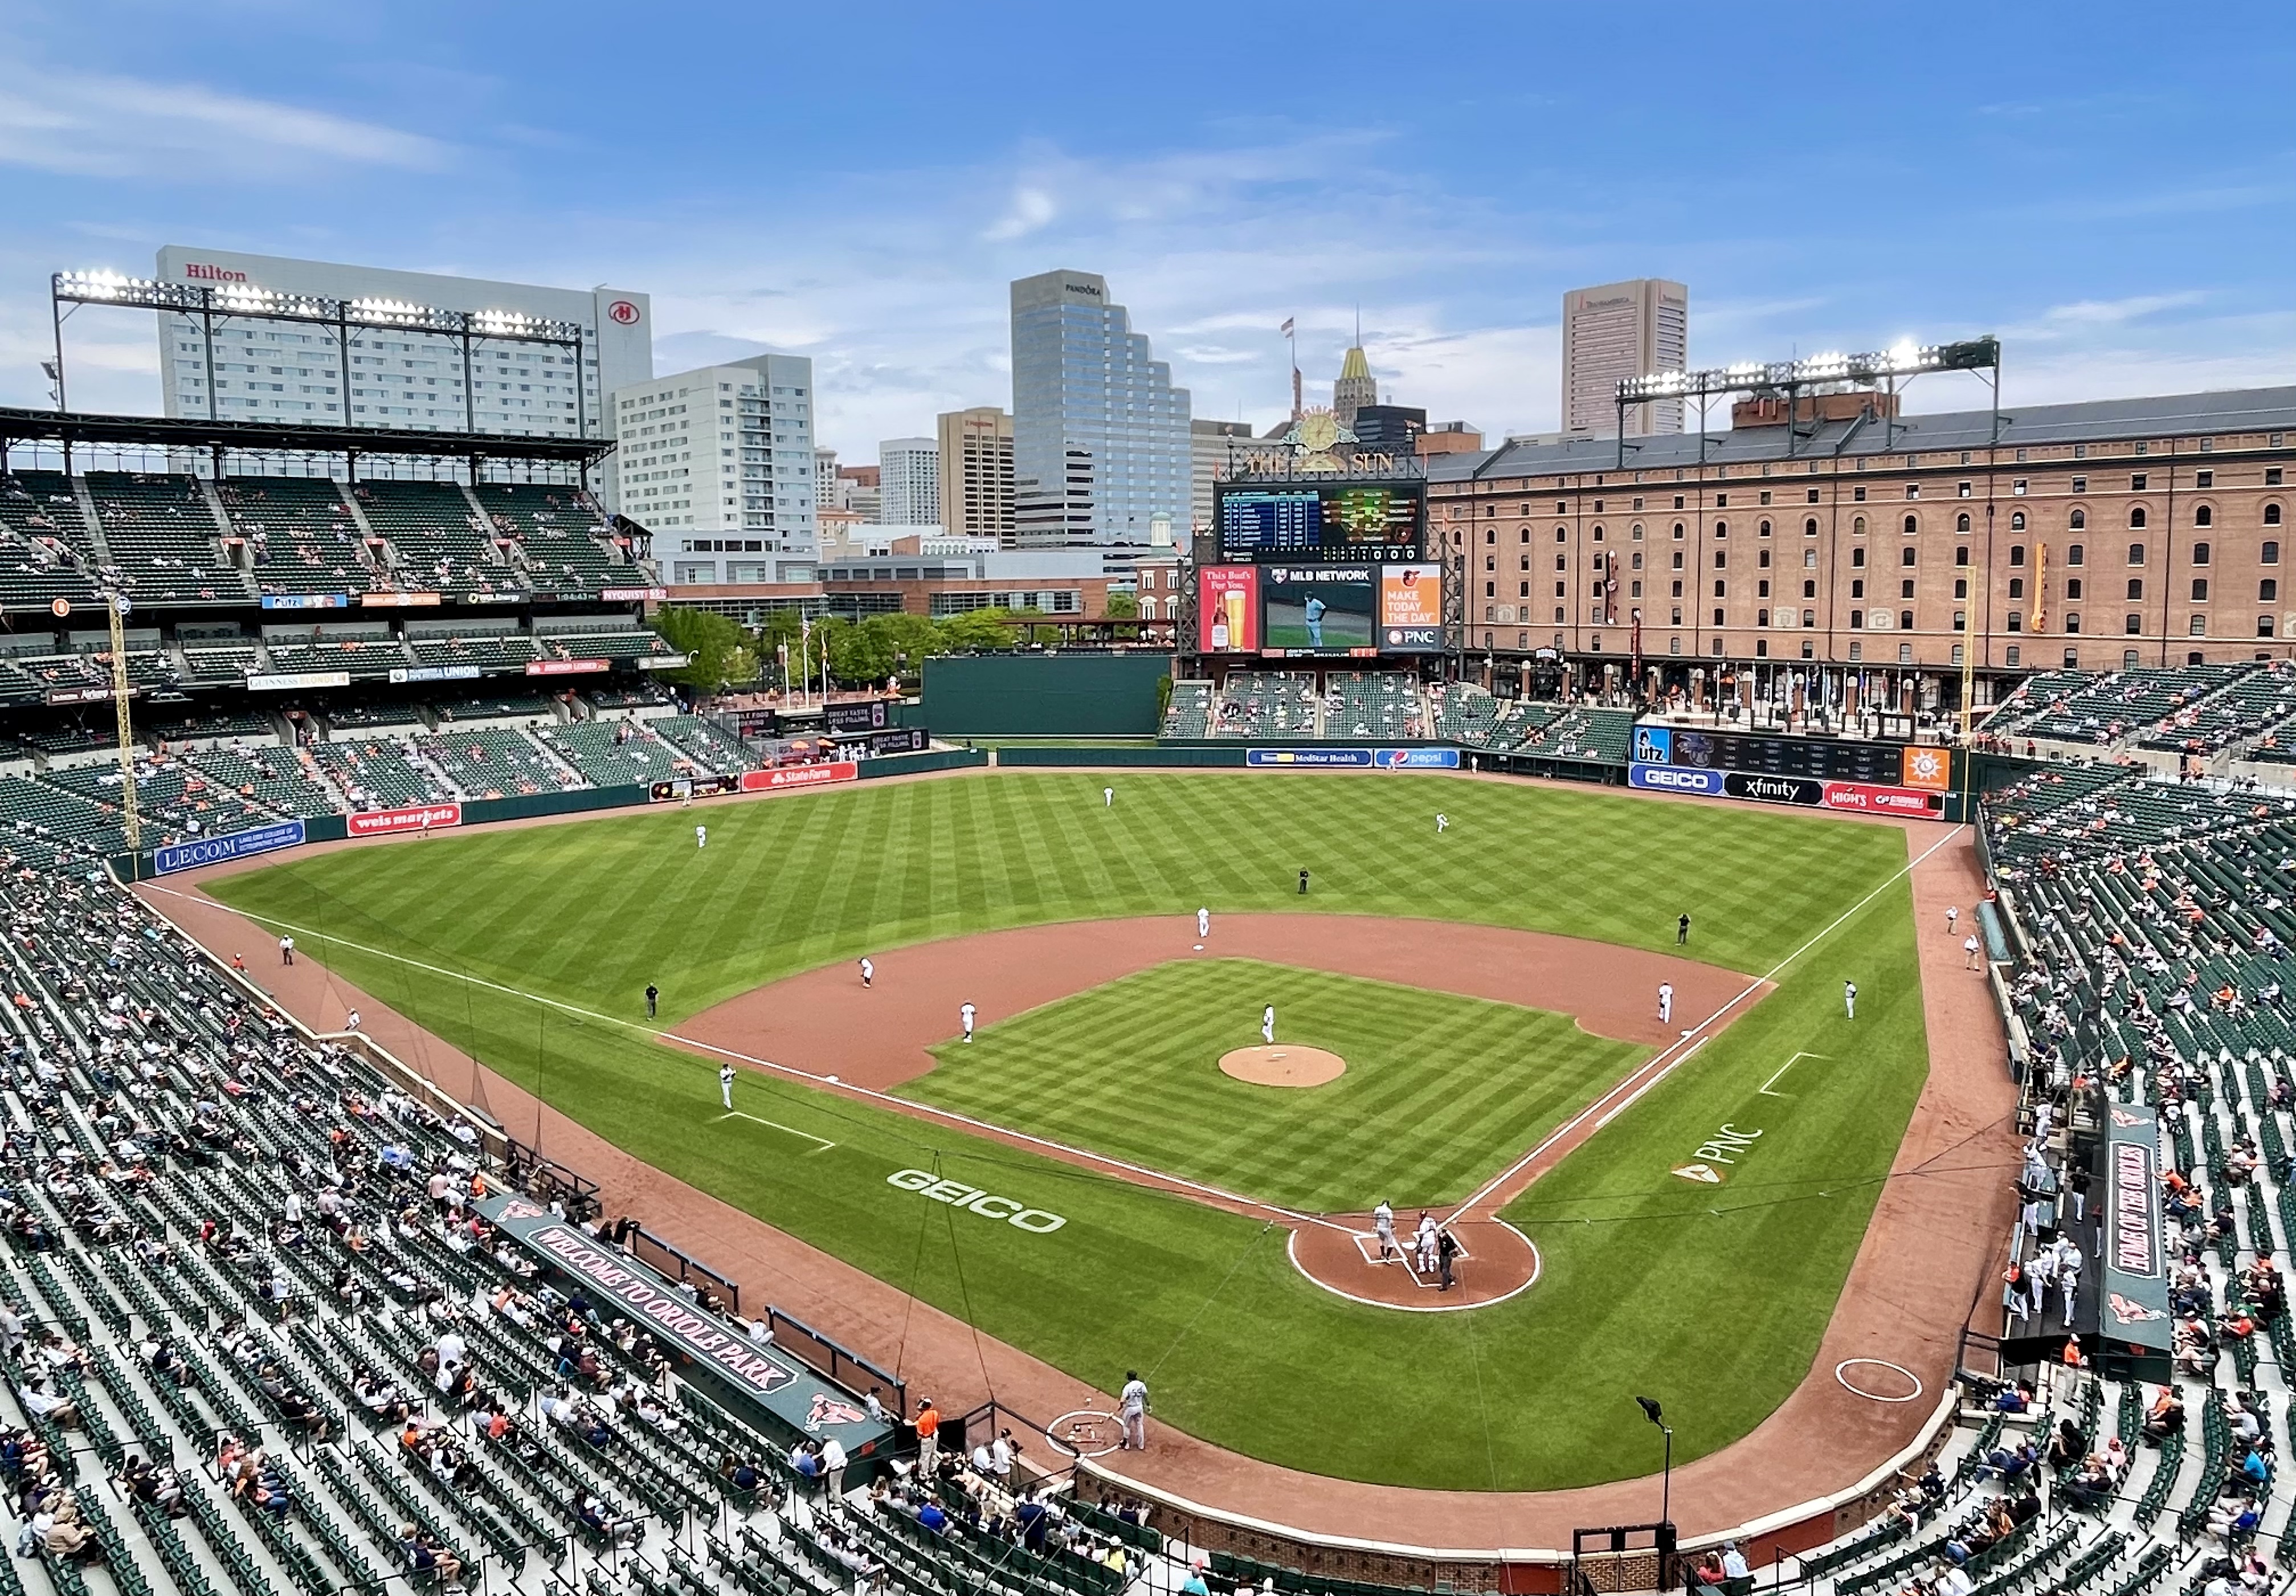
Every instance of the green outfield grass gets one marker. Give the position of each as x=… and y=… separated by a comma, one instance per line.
x=1710, y=1297
x=1441, y=1091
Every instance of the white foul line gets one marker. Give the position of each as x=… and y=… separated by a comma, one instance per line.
x=905, y=1105
x=1764, y=1090
x=1679, y=1051
x=823, y=1146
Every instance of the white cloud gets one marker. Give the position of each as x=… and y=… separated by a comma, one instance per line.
x=1032, y=211
x=85, y=126
x=2094, y=312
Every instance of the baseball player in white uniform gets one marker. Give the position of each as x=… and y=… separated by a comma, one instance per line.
x=964, y=1013
x=1425, y=1241
x=726, y=1084
x=1108, y=797
x=702, y=836
x=868, y=971
x=1267, y=1024
x=1442, y=823
x=1203, y=924
x=1665, y=1001
x=1849, y=999
x=1383, y=1221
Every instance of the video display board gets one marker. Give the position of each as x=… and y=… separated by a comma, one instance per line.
x=1227, y=609
x=1309, y=610
x=1339, y=519
x=1817, y=759
x=1411, y=609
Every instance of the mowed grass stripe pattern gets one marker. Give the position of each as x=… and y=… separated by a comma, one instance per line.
x=590, y=913
x=1440, y=1091
x=1711, y=1300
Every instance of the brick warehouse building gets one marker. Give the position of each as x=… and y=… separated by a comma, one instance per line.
x=2101, y=535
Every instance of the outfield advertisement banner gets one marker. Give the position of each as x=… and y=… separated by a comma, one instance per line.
x=239, y=844
x=1410, y=609
x=1808, y=792
x=2135, y=1307
x=384, y=822
x=799, y=775
x=1228, y=608
x=1353, y=759
x=307, y=601
x=406, y=673
x=564, y=667
x=765, y=1377
x=291, y=681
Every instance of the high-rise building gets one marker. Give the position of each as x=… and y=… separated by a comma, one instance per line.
x=1209, y=444
x=1618, y=330
x=400, y=377
x=1355, y=387
x=718, y=462
x=857, y=492
x=1100, y=436
x=1395, y=427
x=976, y=473
x=908, y=478
x=825, y=480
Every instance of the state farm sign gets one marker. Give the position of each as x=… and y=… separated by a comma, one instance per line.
x=799, y=775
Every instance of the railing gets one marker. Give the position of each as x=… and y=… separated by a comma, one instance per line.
x=657, y=1255
x=837, y=1360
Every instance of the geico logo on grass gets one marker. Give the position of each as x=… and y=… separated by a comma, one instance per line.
x=958, y=1194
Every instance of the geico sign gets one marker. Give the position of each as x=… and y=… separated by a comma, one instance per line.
x=957, y=1194
x=1690, y=781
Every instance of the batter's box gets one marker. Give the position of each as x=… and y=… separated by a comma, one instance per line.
x=1367, y=1244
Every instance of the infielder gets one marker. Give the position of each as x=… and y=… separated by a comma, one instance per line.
x=1952, y=920
x=1203, y=924
x=1108, y=797
x=351, y=1020
x=1849, y=998
x=1383, y=1221
x=726, y=1085
x=1665, y=1001
x=702, y=836
x=964, y=1013
x=868, y=971
x=1132, y=1407
x=1267, y=1024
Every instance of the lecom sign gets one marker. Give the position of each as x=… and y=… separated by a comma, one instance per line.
x=623, y=313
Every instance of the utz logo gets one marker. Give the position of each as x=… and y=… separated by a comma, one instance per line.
x=622, y=313
x=828, y=1410
x=1702, y=1173
x=1653, y=745
x=2129, y=1312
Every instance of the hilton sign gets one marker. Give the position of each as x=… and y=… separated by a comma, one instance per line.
x=199, y=272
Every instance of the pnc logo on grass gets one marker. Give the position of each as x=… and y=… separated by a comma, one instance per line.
x=1699, y=1171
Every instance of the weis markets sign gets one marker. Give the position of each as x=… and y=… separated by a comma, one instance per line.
x=214, y=850
x=383, y=822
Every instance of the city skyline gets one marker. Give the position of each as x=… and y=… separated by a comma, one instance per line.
x=330, y=136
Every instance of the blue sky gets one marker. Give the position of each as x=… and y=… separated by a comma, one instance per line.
x=2111, y=189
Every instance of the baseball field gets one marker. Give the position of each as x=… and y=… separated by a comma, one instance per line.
x=530, y=949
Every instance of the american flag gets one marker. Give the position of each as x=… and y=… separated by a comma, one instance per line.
x=1286, y=328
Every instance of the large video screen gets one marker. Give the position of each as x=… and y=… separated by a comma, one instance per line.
x=1411, y=609
x=1318, y=609
x=1227, y=603
x=1338, y=520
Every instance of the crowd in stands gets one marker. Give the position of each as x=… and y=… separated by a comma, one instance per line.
x=1393, y=706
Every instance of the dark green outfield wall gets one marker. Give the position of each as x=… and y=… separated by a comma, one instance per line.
x=1044, y=695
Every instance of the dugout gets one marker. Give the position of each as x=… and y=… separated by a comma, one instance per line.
x=1044, y=695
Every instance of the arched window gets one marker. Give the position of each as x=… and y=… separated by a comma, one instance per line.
x=1561, y=562
x=2200, y=553
x=2272, y=515
x=1905, y=556
x=2078, y=520
x=1721, y=528
x=1857, y=526
x=1809, y=589
x=1677, y=531
x=1913, y=526
x=2017, y=521
x=2203, y=515
x=1809, y=527
x=1560, y=535
x=1765, y=530
x=2136, y=516
x=1961, y=521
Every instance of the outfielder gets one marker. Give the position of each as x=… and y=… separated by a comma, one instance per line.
x=702, y=836
x=1267, y=1024
x=964, y=1013
x=1108, y=797
x=726, y=1085
x=1382, y=1222
x=1849, y=998
x=1442, y=822
x=1665, y=1001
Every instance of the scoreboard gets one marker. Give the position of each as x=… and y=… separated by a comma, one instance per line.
x=1870, y=778
x=1341, y=520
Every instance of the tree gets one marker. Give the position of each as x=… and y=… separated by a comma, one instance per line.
x=859, y=654
x=1123, y=607
x=975, y=631
x=713, y=648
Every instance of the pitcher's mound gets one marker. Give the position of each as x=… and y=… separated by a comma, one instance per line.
x=1283, y=1065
